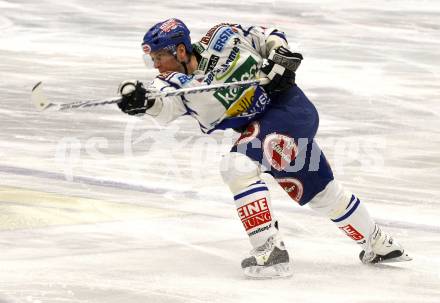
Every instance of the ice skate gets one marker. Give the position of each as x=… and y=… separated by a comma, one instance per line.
x=271, y=260
x=383, y=249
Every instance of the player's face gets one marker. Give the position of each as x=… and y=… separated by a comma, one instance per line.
x=164, y=61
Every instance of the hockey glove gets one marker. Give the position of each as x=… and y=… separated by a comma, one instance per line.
x=134, y=100
x=280, y=68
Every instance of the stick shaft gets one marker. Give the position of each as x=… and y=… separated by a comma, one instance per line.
x=41, y=102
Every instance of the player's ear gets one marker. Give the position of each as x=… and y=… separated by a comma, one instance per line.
x=181, y=53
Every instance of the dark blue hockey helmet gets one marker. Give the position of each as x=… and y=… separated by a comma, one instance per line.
x=167, y=35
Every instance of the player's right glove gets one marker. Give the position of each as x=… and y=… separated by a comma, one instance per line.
x=134, y=100
x=280, y=68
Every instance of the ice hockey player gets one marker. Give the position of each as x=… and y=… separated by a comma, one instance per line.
x=277, y=122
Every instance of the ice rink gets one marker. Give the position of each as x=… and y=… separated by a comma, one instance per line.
x=97, y=206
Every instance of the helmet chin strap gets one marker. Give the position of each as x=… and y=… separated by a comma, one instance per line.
x=185, y=64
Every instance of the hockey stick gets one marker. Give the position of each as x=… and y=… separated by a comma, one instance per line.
x=40, y=101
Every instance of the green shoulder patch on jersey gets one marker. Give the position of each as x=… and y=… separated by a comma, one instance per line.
x=198, y=47
x=203, y=64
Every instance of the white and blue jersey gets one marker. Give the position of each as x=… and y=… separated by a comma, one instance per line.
x=227, y=53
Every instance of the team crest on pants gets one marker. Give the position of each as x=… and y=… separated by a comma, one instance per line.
x=293, y=187
x=280, y=150
x=249, y=134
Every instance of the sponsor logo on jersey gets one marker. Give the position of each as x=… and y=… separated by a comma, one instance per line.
x=169, y=25
x=207, y=38
x=260, y=101
x=197, y=47
x=352, y=232
x=209, y=78
x=242, y=104
x=249, y=134
x=225, y=69
x=279, y=150
x=293, y=187
x=213, y=60
x=254, y=214
x=183, y=78
x=223, y=37
x=233, y=55
x=203, y=63
x=246, y=71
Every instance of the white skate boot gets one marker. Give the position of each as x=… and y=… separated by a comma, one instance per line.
x=383, y=249
x=271, y=260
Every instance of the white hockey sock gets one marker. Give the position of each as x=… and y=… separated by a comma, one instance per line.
x=355, y=222
x=254, y=209
x=346, y=211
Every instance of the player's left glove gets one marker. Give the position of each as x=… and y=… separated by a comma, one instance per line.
x=134, y=100
x=280, y=68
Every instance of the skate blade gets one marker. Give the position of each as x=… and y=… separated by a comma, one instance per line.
x=403, y=258
x=282, y=270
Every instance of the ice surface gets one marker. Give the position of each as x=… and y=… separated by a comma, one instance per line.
x=96, y=206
